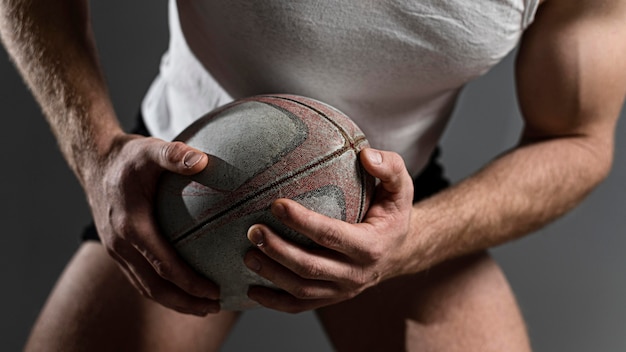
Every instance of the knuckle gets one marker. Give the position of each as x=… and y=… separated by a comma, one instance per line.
x=125, y=230
x=396, y=162
x=397, y=168
x=361, y=278
x=375, y=255
x=173, y=152
x=357, y=279
x=128, y=228
x=329, y=237
x=112, y=242
x=303, y=292
x=115, y=245
x=121, y=225
x=162, y=268
x=311, y=270
x=129, y=233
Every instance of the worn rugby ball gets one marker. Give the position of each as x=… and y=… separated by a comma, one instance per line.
x=260, y=149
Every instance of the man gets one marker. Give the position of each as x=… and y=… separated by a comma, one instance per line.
x=411, y=276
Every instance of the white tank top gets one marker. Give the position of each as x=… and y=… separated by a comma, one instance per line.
x=394, y=66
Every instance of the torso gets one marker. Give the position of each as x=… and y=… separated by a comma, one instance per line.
x=394, y=66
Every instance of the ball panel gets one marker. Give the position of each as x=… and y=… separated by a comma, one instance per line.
x=250, y=136
x=350, y=130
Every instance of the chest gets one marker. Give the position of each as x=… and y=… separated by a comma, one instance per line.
x=393, y=43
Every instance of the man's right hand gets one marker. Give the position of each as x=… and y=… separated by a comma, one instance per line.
x=120, y=191
x=53, y=47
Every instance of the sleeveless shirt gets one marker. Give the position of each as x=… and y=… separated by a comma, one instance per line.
x=396, y=67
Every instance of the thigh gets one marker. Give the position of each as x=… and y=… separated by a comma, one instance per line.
x=94, y=308
x=462, y=305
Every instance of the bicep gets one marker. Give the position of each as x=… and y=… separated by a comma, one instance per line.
x=571, y=69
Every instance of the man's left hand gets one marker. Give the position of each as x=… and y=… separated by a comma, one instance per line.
x=352, y=257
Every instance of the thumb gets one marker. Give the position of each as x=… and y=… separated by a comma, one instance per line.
x=178, y=157
x=389, y=168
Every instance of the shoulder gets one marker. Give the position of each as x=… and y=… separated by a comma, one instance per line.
x=586, y=25
x=570, y=65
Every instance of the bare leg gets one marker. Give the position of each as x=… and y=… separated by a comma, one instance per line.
x=94, y=308
x=462, y=305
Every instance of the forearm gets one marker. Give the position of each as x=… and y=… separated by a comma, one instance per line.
x=570, y=90
x=514, y=195
x=52, y=45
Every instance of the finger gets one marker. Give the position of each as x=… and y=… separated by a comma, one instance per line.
x=314, y=264
x=166, y=262
x=326, y=231
x=163, y=291
x=129, y=273
x=283, y=301
x=394, y=194
x=389, y=168
x=287, y=280
x=176, y=157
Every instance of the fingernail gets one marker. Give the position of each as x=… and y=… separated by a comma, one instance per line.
x=253, y=263
x=374, y=157
x=191, y=158
x=255, y=235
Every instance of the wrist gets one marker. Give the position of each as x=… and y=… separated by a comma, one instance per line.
x=429, y=229
x=90, y=160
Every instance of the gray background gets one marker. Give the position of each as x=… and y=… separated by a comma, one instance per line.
x=568, y=277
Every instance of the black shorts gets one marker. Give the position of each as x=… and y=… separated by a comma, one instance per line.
x=430, y=181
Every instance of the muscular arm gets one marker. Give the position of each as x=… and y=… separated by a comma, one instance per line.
x=571, y=86
x=52, y=45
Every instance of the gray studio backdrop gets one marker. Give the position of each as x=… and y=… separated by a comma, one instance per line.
x=568, y=277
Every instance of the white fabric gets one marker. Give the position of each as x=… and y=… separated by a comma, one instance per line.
x=394, y=66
